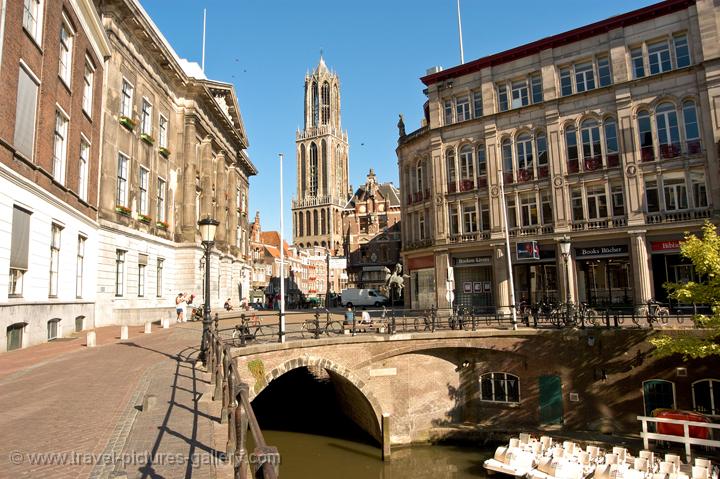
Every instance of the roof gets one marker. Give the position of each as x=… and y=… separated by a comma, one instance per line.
x=387, y=191
x=272, y=239
x=571, y=36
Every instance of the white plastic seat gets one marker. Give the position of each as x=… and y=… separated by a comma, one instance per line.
x=514, y=442
x=612, y=459
x=524, y=438
x=659, y=475
x=674, y=458
x=569, y=447
x=699, y=461
x=546, y=442
x=700, y=472
x=667, y=467
x=621, y=453
x=679, y=475
x=558, y=452
x=594, y=451
x=641, y=464
x=649, y=455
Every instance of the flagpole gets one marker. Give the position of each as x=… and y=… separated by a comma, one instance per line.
x=462, y=55
x=203, y=44
x=506, y=232
x=282, y=259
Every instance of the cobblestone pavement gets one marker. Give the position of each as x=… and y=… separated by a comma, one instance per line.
x=72, y=411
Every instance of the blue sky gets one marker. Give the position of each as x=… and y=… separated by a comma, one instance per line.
x=379, y=49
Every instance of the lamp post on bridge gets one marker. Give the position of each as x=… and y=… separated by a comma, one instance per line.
x=207, y=235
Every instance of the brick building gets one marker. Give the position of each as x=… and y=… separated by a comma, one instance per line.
x=52, y=61
x=605, y=135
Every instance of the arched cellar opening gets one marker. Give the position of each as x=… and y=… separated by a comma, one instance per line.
x=317, y=401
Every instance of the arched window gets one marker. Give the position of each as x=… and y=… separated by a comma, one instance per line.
x=647, y=152
x=500, y=387
x=316, y=231
x=451, y=171
x=467, y=167
x=542, y=154
x=523, y=149
x=301, y=232
x=324, y=170
x=612, y=149
x=52, y=329
x=338, y=170
x=14, y=336
x=658, y=394
x=706, y=396
x=692, y=132
x=592, y=151
x=323, y=222
x=313, y=176
x=572, y=151
x=308, y=224
x=325, y=103
x=507, y=160
x=668, y=130
x=419, y=177
x=336, y=102
x=303, y=171
x=315, y=105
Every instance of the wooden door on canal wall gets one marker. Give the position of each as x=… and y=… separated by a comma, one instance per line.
x=551, y=400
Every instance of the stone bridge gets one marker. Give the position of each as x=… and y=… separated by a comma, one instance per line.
x=429, y=383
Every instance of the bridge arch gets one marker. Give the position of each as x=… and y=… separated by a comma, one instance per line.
x=366, y=412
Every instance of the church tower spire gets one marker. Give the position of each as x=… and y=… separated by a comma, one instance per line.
x=322, y=164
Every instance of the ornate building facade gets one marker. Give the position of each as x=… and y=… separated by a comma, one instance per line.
x=322, y=165
x=605, y=135
x=371, y=226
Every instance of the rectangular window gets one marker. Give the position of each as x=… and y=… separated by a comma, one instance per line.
x=519, y=94
x=80, y=267
x=66, y=46
x=121, y=195
x=682, y=52
x=484, y=216
x=699, y=191
x=26, y=112
x=636, y=56
x=126, y=101
x=119, y=272
x=584, y=77
x=159, y=277
x=144, y=186
x=161, y=200
x=469, y=219
x=481, y=160
x=528, y=210
x=596, y=202
x=618, y=200
x=448, y=112
x=146, y=120
x=652, y=203
x=577, y=205
x=453, y=215
x=88, y=80
x=142, y=264
x=604, y=75
x=547, y=209
x=163, y=132
x=536, y=86
x=565, y=82
x=512, y=214
x=421, y=226
x=675, y=194
x=19, y=245
x=477, y=104
x=462, y=108
x=54, y=259
x=60, y=147
x=502, y=97
x=659, y=57
x=83, y=169
x=32, y=19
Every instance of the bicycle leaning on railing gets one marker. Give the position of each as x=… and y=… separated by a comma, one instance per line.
x=653, y=311
x=250, y=329
x=313, y=328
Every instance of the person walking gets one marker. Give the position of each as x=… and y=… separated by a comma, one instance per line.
x=180, y=303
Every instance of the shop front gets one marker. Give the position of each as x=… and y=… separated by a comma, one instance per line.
x=422, y=282
x=536, y=277
x=473, y=282
x=669, y=266
x=604, y=275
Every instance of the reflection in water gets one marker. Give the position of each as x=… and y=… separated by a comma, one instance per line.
x=300, y=415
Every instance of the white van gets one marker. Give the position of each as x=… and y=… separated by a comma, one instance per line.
x=362, y=297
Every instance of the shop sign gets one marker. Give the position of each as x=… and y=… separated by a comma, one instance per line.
x=527, y=250
x=601, y=251
x=672, y=245
x=476, y=260
x=338, y=262
x=421, y=263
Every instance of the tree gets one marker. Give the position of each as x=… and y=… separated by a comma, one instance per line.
x=704, y=253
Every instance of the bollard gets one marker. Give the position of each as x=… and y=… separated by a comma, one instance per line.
x=165, y=323
x=148, y=328
x=124, y=333
x=90, y=341
x=385, y=437
x=149, y=402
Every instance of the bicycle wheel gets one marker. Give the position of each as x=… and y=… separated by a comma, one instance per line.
x=416, y=324
x=466, y=323
x=592, y=317
x=263, y=333
x=664, y=316
x=305, y=331
x=334, y=327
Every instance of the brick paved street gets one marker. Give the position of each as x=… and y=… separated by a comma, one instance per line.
x=79, y=401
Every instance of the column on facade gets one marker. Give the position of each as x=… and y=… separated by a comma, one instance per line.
x=232, y=181
x=502, y=282
x=442, y=260
x=642, y=285
x=188, y=180
x=224, y=200
x=634, y=184
x=206, y=177
x=567, y=276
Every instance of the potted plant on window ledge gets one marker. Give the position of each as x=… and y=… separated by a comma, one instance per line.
x=147, y=138
x=123, y=210
x=127, y=122
x=164, y=152
x=163, y=225
x=144, y=218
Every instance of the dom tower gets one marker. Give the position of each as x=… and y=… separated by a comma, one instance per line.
x=322, y=165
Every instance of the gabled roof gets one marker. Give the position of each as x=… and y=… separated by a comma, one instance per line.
x=561, y=39
x=387, y=191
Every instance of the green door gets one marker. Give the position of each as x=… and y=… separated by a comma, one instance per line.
x=551, y=400
x=15, y=336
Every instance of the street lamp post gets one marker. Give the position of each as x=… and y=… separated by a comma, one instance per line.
x=207, y=234
x=565, y=252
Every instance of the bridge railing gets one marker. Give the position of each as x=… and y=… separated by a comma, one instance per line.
x=237, y=413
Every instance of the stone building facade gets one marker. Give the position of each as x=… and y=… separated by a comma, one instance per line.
x=322, y=165
x=52, y=63
x=173, y=152
x=606, y=135
x=371, y=226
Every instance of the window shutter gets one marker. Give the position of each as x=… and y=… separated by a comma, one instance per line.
x=25, y=114
x=20, y=239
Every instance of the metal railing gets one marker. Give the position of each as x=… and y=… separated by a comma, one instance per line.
x=686, y=438
x=238, y=413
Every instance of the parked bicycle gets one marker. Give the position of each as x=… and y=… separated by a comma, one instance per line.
x=588, y=315
x=423, y=323
x=460, y=319
x=654, y=312
x=310, y=328
x=250, y=329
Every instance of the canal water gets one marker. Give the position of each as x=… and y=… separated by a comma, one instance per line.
x=299, y=415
